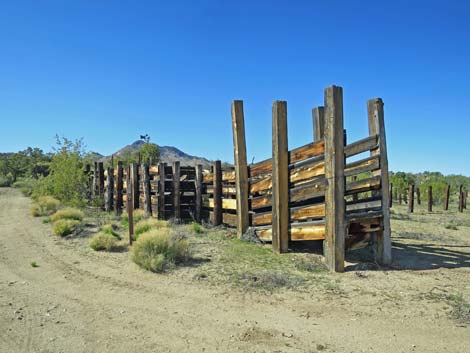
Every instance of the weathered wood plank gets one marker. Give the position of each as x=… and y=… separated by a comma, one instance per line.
x=335, y=227
x=363, y=145
x=297, y=232
x=375, y=112
x=429, y=198
x=298, y=154
x=295, y=213
x=280, y=196
x=241, y=168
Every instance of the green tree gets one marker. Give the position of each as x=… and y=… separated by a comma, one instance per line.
x=149, y=152
x=66, y=180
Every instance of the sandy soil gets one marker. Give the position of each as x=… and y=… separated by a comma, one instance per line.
x=78, y=300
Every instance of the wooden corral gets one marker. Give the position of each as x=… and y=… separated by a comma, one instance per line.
x=326, y=190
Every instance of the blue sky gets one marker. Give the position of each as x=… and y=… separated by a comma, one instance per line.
x=111, y=70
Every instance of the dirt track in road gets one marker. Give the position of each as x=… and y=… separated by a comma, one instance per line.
x=78, y=300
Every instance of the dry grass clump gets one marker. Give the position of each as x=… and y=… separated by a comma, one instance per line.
x=137, y=216
x=145, y=225
x=45, y=206
x=159, y=249
x=63, y=227
x=68, y=213
x=103, y=241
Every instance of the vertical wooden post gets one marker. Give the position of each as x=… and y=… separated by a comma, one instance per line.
x=146, y=189
x=94, y=184
x=88, y=180
x=411, y=198
x=335, y=206
x=135, y=184
x=460, y=198
x=241, y=168
x=119, y=186
x=100, y=178
x=418, y=195
x=447, y=197
x=429, y=198
x=318, y=123
x=375, y=112
x=280, y=179
x=391, y=195
x=465, y=194
x=161, y=190
x=130, y=204
x=399, y=198
x=176, y=191
x=217, y=182
x=198, y=201
x=109, y=190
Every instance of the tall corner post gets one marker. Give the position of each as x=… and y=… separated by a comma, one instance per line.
x=375, y=110
x=241, y=168
x=335, y=206
x=280, y=179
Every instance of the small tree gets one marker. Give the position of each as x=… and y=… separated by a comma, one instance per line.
x=66, y=180
x=149, y=152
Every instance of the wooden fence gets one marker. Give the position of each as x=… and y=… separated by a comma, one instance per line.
x=325, y=190
x=163, y=191
x=413, y=191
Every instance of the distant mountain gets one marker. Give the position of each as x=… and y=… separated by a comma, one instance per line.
x=168, y=154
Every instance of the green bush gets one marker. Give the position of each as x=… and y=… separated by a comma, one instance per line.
x=158, y=249
x=26, y=185
x=145, y=225
x=45, y=206
x=65, y=227
x=103, y=241
x=111, y=229
x=5, y=181
x=197, y=228
x=68, y=213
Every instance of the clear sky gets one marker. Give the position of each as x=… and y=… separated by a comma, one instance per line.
x=109, y=71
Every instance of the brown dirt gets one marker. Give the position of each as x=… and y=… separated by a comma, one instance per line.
x=79, y=300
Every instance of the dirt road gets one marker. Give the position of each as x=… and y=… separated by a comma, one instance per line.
x=78, y=300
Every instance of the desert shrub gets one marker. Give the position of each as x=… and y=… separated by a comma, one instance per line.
x=103, y=241
x=197, y=228
x=26, y=185
x=5, y=180
x=65, y=227
x=68, y=213
x=158, y=249
x=451, y=226
x=138, y=215
x=145, y=225
x=111, y=229
x=45, y=206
